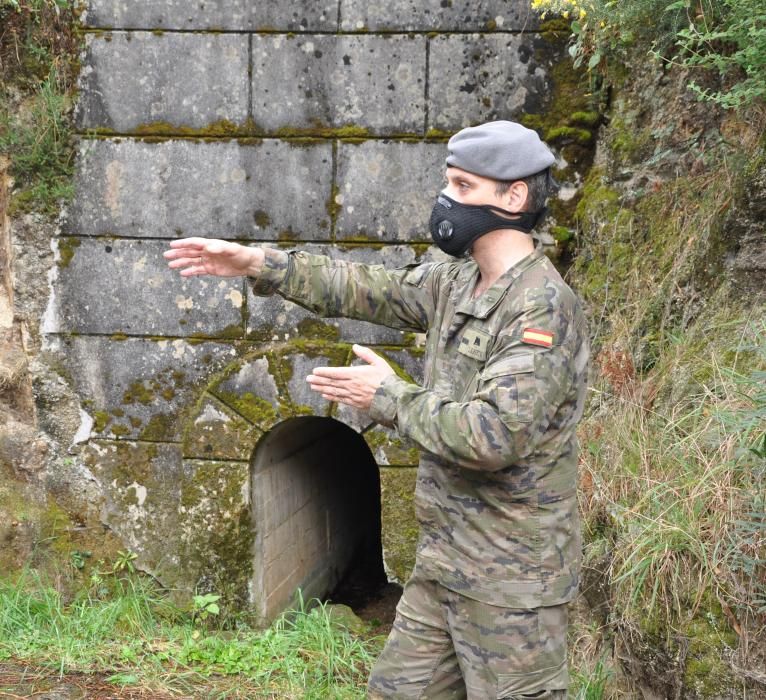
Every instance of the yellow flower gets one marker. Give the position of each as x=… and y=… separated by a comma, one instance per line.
x=565, y=14
x=602, y=24
x=582, y=13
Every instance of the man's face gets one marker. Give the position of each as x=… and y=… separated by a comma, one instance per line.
x=467, y=188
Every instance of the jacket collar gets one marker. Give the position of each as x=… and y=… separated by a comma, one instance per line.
x=483, y=305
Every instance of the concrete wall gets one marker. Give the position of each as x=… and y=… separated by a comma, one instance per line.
x=316, y=123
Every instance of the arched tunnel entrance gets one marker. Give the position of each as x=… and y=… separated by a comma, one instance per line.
x=315, y=499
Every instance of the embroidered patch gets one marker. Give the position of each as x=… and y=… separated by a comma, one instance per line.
x=474, y=344
x=534, y=336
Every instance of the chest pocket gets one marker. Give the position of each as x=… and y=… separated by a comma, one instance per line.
x=472, y=352
x=513, y=385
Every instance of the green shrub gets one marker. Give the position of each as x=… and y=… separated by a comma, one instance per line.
x=726, y=38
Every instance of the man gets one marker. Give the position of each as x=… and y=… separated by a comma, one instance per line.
x=484, y=613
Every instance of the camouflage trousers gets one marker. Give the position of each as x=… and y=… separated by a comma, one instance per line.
x=445, y=645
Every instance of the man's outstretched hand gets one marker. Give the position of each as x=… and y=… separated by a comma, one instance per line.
x=210, y=256
x=355, y=385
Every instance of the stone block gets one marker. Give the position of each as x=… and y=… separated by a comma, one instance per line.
x=265, y=190
x=386, y=189
x=139, y=388
x=216, y=531
x=480, y=77
x=124, y=286
x=303, y=397
x=389, y=449
x=438, y=15
x=149, y=82
x=226, y=15
x=274, y=319
x=368, y=84
x=217, y=432
x=142, y=484
x=410, y=360
x=250, y=387
x=400, y=527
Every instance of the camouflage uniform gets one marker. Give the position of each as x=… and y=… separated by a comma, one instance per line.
x=495, y=498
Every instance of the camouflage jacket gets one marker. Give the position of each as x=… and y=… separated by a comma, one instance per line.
x=505, y=378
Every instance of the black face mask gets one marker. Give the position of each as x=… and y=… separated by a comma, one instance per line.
x=455, y=226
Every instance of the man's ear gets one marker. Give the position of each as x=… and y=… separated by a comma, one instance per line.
x=516, y=196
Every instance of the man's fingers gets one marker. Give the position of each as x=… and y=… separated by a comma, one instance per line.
x=319, y=381
x=177, y=253
x=336, y=372
x=184, y=262
x=195, y=242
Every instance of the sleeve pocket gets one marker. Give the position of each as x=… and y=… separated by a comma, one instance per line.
x=514, y=385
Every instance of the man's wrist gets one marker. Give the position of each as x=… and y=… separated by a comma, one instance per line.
x=257, y=257
x=383, y=406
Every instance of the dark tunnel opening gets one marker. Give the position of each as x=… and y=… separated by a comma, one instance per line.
x=315, y=499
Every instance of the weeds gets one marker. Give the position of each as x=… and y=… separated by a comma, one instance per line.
x=38, y=65
x=136, y=636
x=675, y=491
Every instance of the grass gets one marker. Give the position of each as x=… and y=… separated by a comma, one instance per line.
x=39, y=143
x=671, y=482
x=39, y=43
x=138, y=638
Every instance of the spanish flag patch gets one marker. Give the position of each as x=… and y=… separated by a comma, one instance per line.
x=534, y=336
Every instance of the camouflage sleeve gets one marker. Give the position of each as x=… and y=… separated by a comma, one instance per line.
x=518, y=392
x=401, y=298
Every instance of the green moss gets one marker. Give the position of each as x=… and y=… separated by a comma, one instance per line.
x=67, y=248
x=438, y=134
x=590, y=119
x=219, y=535
x=159, y=427
x=230, y=332
x=119, y=430
x=597, y=197
x=553, y=28
x=314, y=328
x=262, y=219
x=138, y=392
x=562, y=134
x=562, y=234
x=118, y=337
x=399, y=525
x=627, y=142
x=100, y=421
x=324, y=132
x=219, y=128
x=258, y=411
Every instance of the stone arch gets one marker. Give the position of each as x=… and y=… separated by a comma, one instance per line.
x=241, y=406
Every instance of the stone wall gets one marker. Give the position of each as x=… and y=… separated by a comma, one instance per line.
x=315, y=124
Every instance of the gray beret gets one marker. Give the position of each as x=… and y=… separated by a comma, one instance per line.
x=499, y=150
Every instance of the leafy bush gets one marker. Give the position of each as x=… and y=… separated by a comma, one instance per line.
x=727, y=37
